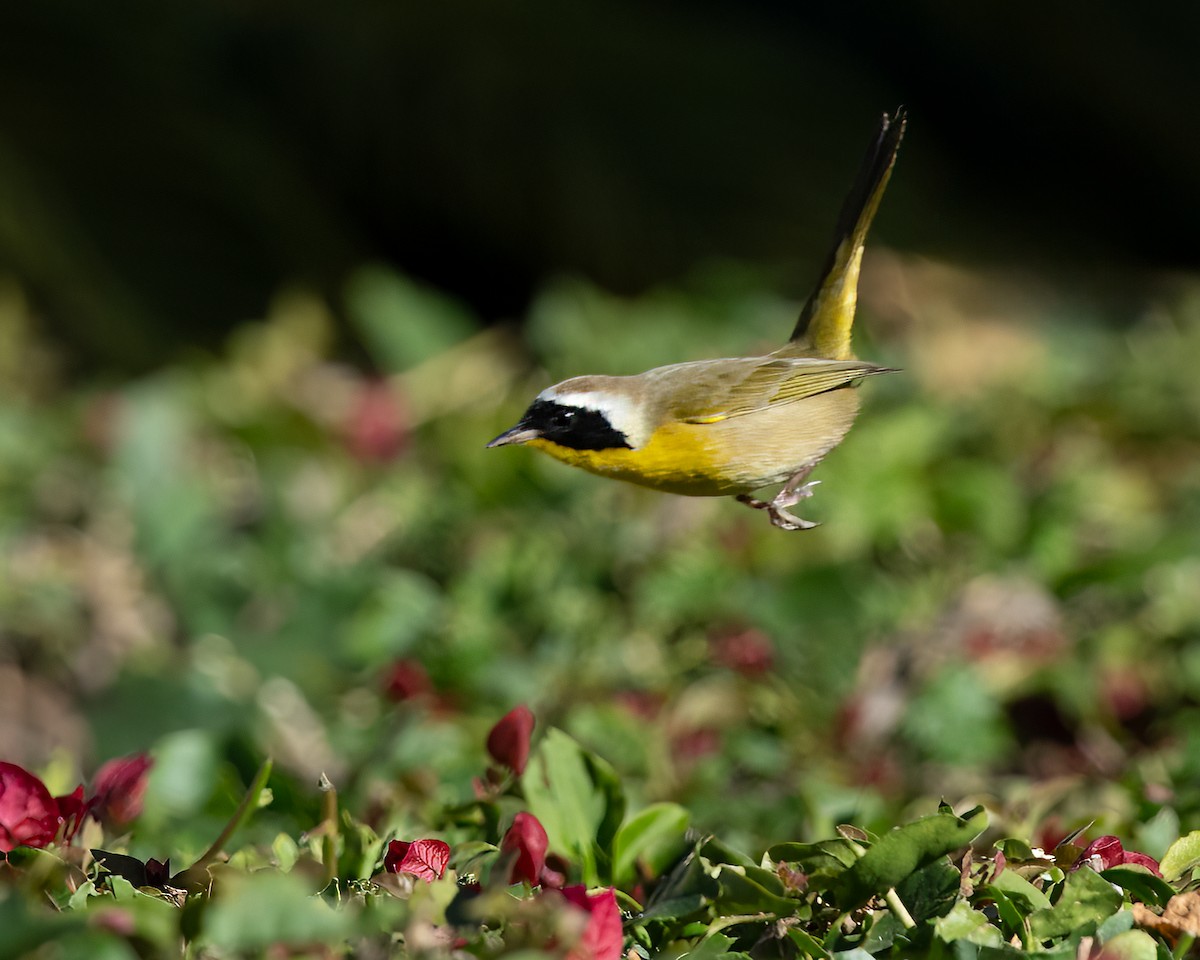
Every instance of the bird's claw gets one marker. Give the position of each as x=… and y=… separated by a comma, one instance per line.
x=777, y=508
x=787, y=521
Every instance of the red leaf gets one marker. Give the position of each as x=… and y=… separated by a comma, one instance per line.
x=28, y=814
x=426, y=859
x=528, y=837
x=749, y=652
x=406, y=680
x=602, y=938
x=1106, y=852
x=376, y=429
x=554, y=872
x=72, y=809
x=120, y=787
x=508, y=741
x=1143, y=860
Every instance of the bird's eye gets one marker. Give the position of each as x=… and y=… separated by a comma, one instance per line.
x=563, y=417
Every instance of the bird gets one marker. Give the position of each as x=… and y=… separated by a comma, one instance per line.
x=735, y=425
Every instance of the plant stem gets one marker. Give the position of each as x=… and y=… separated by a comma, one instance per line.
x=240, y=815
x=899, y=909
x=329, y=818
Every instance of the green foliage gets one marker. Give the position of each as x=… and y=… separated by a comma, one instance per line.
x=268, y=554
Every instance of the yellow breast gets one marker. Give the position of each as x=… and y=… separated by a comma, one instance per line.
x=678, y=458
x=727, y=457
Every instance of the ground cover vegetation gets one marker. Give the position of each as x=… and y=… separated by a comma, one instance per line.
x=292, y=666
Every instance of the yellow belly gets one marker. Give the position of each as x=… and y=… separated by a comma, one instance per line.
x=727, y=457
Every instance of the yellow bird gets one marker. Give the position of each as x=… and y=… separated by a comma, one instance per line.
x=729, y=427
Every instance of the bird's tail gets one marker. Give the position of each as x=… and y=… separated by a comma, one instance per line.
x=823, y=329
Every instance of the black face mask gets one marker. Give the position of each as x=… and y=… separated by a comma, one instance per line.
x=574, y=427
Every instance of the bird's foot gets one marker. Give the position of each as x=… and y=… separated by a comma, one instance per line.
x=790, y=496
x=777, y=507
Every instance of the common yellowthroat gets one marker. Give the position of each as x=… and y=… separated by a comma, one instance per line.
x=728, y=427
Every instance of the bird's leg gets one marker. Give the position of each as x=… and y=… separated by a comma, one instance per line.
x=792, y=493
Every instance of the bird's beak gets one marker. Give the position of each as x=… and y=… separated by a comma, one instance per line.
x=518, y=434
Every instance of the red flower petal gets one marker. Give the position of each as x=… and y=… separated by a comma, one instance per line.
x=602, y=938
x=426, y=859
x=28, y=814
x=120, y=787
x=508, y=741
x=528, y=837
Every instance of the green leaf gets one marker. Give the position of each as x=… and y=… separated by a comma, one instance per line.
x=245, y=810
x=655, y=836
x=808, y=945
x=1181, y=856
x=25, y=930
x=41, y=868
x=402, y=322
x=80, y=897
x=902, y=851
x=94, y=945
x=965, y=923
x=740, y=894
x=711, y=947
x=717, y=851
x=1141, y=883
x=267, y=908
x=829, y=856
x=561, y=793
x=605, y=779
x=1131, y=945
x=1018, y=889
x=1015, y=850
x=676, y=908
x=463, y=855
x=1086, y=901
x=182, y=778
x=404, y=607
x=286, y=851
x=885, y=932
x=930, y=891
x=686, y=889
x=1119, y=922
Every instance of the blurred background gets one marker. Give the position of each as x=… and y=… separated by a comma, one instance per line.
x=164, y=169
x=271, y=274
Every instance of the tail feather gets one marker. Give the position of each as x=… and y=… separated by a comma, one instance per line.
x=823, y=329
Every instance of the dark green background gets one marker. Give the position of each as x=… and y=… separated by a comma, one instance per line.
x=164, y=167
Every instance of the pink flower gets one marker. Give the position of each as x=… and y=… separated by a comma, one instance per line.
x=602, y=937
x=29, y=816
x=426, y=859
x=528, y=838
x=119, y=789
x=508, y=741
x=1107, y=852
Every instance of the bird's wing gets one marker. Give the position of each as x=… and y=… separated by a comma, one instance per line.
x=732, y=389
